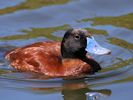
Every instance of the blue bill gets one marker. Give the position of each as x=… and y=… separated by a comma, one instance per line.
x=94, y=48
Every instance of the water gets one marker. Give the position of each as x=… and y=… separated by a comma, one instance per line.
x=24, y=22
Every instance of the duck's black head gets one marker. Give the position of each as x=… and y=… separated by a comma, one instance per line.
x=77, y=42
x=74, y=43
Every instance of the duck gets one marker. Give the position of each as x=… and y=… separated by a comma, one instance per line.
x=70, y=57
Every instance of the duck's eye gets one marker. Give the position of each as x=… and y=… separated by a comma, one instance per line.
x=77, y=37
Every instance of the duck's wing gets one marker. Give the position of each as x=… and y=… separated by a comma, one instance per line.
x=34, y=57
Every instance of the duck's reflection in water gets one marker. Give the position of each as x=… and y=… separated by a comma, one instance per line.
x=80, y=91
x=75, y=91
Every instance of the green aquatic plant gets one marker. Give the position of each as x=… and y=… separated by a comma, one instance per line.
x=32, y=4
x=2, y=71
x=46, y=32
x=83, y=20
x=125, y=21
x=120, y=64
x=121, y=43
x=127, y=79
x=37, y=32
x=97, y=31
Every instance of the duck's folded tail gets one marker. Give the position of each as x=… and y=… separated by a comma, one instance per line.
x=9, y=54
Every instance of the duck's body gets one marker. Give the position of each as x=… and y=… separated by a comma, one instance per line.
x=45, y=58
x=55, y=59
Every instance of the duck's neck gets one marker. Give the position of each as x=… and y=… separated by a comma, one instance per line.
x=73, y=54
x=82, y=56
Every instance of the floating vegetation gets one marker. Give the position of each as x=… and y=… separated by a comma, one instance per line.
x=121, y=43
x=119, y=21
x=98, y=32
x=83, y=20
x=32, y=4
x=37, y=32
x=46, y=32
x=121, y=64
x=125, y=21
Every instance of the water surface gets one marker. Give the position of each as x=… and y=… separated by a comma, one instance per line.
x=28, y=21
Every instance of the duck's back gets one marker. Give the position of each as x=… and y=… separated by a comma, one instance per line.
x=33, y=57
